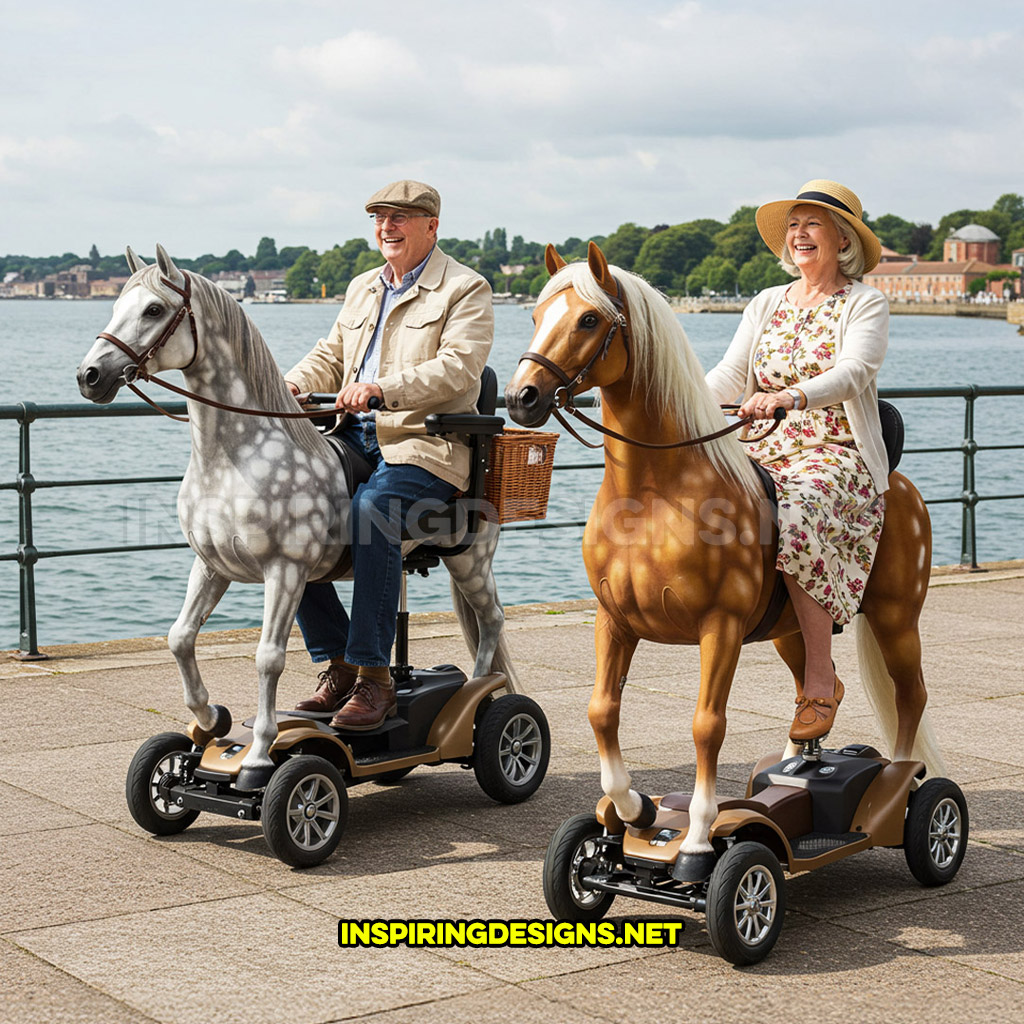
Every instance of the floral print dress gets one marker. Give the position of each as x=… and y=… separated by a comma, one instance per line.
x=830, y=517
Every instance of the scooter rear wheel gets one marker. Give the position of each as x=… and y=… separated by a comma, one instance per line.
x=511, y=749
x=935, y=833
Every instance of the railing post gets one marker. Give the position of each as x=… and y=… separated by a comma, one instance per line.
x=27, y=554
x=969, y=497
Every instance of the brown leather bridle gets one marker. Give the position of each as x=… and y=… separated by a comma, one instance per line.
x=564, y=396
x=185, y=309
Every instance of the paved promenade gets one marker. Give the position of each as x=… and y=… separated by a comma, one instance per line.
x=102, y=923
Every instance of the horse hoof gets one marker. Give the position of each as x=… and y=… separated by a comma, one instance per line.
x=253, y=778
x=221, y=726
x=221, y=720
x=693, y=867
x=648, y=813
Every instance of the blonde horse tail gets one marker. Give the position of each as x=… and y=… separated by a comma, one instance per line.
x=881, y=692
x=466, y=614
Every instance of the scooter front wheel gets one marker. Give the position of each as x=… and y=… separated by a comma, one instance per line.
x=746, y=903
x=305, y=808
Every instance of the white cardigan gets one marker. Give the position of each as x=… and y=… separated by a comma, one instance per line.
x=862, y=337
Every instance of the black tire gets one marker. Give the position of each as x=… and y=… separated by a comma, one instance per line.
x=511, y=749
x=746, y=903
x=151, y=762
x=568, y=859
x=305, y=808
x=392, y=778
x=935, y=833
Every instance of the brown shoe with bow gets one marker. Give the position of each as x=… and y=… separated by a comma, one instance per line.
x=372, y=701
x=336, y=684
x=815, y=716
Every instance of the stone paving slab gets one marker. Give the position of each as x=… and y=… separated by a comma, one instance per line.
x=100, y=922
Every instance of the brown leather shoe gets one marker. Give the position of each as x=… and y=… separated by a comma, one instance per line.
x=335, y=687
x=816, y=715
x=371, y=702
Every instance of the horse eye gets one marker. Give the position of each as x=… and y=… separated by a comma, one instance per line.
x=588, y=321
x=153, y=310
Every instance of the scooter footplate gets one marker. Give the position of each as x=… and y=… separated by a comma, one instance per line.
x=816, y=843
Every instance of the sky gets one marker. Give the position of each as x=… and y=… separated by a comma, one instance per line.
x=206, y=125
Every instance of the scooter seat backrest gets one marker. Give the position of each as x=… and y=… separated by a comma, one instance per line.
x=892, y=432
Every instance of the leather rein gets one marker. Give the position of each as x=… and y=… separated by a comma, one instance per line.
x=565, y=395
x=140, y=360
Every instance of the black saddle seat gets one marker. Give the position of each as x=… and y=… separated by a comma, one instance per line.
x=451, y=529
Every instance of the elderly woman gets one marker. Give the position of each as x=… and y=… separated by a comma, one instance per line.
x=813, y=348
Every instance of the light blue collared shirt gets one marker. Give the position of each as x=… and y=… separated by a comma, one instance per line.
x=371, y=360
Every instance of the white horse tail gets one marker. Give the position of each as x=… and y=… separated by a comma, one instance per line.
x=881, y=692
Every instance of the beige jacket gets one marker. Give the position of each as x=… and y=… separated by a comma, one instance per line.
x=434, y=346
x=862, y=338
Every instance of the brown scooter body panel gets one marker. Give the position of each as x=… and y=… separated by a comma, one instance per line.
x=452, y=731
x=882, y=810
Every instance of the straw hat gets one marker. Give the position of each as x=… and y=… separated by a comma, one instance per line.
x=772, y=218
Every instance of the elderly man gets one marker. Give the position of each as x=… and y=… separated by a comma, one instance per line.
x=414, y=335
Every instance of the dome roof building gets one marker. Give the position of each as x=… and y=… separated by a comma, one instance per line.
x=971, y=242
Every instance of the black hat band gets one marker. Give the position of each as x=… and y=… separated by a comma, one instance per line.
x=824, y=197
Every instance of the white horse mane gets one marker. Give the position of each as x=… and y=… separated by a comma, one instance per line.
x=249, y=352
x=665, y=361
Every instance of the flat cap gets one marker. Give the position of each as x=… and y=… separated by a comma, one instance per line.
x=412, y=195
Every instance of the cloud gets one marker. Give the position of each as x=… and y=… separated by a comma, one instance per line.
x=551, y=120
x=360, y=60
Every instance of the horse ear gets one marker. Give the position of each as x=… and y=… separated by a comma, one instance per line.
x=552, y=260
x=134, y=263
x=167, y=267
x=599, y=268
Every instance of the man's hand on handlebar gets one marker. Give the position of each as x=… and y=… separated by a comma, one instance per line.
x=359, y=397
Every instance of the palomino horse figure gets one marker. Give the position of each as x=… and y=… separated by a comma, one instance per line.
x=702, y=570
x=263, y=499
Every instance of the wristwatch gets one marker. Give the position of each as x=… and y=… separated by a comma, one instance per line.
x=799, y=398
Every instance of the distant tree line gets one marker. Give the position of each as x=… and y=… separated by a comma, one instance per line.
x=693, y=258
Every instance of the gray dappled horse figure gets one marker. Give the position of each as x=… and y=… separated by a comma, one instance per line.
x=263, y=499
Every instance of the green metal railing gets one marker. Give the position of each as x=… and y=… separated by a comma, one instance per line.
x=27, y=555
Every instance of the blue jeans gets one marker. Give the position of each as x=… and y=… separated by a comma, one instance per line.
x=380, y=508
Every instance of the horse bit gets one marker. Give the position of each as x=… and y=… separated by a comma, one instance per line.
x=564, y=395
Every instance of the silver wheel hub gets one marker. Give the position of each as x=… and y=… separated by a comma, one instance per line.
x=314, y=809
x=586, y=851
x=754, y=905
x=519, y=749
x=944, y=831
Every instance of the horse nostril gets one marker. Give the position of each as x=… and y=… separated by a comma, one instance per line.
x=91, y=377
x=528, y=396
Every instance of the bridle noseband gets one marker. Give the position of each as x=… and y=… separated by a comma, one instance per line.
x=185, y=309
x=563, y=396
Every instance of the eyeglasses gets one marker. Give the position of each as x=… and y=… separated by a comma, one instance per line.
x=398, y=219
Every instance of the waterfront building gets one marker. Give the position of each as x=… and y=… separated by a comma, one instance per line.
x=971, y=242
x=969, y=253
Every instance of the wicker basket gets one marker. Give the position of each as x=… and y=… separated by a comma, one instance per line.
x=519, y=475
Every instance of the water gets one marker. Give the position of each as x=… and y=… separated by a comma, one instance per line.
x=105, y=596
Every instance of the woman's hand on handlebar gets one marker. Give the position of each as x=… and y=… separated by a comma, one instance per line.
x=359, y=397
x=762, y=404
